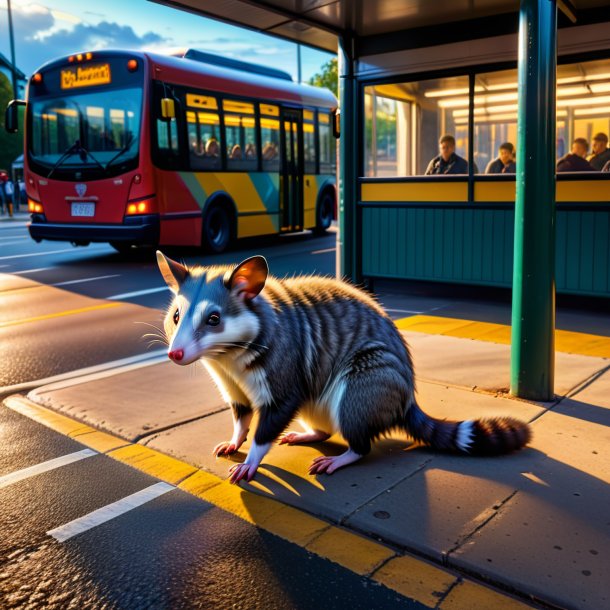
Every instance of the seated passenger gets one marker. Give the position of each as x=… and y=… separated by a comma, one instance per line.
x=447, y=162
x=235, y=152
x=269, y=151
x=575, y=161
x=606, y=167
x=250, y=151
x=211, y=148
x=600, y=153
x=505, y=163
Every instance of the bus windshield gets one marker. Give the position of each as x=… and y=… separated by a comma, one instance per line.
x=88, y=133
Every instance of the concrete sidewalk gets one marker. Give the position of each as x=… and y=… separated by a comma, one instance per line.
x=535, y=523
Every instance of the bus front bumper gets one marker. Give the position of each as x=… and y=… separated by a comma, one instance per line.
x=139, y=230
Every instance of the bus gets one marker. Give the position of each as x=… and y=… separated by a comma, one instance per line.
x=192, y=149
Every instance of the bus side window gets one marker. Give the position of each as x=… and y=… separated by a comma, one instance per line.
x=168, y=151
x=328, y=151
x=203, y=132
x=240, y=134
x=309, y=141
x=270, y=137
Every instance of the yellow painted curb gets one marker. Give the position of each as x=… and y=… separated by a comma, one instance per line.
x=353, y=552
x=415, y=579
x=475, y=597
x=408, y=576
x=153, y=462
x=565, y=340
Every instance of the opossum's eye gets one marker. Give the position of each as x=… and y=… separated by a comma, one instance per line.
x=176, y=316
x=214, y=319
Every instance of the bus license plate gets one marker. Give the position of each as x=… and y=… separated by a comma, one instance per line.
x=80, y=208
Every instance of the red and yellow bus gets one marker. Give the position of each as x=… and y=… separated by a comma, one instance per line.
x=135, y=148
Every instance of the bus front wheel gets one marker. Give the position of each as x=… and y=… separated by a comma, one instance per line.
x=216, y=229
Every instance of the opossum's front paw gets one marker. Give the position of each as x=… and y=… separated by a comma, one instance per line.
x=242, y=471
x=328, y=463
x=225, y=448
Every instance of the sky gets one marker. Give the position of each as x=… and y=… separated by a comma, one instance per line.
x=46, y=30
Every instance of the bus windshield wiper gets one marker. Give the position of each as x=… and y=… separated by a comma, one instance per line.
x=75, y=149
x=121, y=152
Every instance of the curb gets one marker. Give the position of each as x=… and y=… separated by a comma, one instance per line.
x=414, y=578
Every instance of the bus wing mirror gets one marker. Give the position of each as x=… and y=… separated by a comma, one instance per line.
x=168, y=108
x=11, y=116
x=336, y=119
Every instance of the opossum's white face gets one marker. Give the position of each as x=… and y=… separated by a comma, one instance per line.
x=210, y=316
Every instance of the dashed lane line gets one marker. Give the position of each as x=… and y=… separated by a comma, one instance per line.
x=108, y=512
x=32, y=471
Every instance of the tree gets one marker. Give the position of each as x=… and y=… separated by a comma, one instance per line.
x=11, y=144
x=329, y=77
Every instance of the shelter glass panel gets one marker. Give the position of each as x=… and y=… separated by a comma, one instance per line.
x=404, y=125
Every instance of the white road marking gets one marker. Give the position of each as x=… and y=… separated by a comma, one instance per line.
x=324, y=251
x=129, y=295
x=403, y=311
x=115, y=366
x=5, y=237
x=29, y=270
x=106, y=513
x=87, y=279
x=26, y=473
x=3, y=258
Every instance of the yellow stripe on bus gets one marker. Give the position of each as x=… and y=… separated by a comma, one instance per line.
x=415, y=191
x=59, y=314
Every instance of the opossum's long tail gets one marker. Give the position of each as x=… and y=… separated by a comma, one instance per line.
x=474, y=437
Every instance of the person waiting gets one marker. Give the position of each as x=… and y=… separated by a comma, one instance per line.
x=447, y=162
x=600, y=153
x=505, y=163
x=575, y=161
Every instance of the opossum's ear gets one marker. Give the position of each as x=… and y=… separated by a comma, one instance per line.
x=249, y=277
x=173, y=273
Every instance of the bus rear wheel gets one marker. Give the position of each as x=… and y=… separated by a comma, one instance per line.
x=324, y=213
x=216, y=229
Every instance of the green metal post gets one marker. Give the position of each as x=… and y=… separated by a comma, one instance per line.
x=533, y=314
x=348, y=160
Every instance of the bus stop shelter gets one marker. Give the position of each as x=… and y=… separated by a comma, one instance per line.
x=378, y=40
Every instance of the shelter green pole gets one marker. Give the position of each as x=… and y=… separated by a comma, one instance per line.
x=348, y=159
x=533, y=313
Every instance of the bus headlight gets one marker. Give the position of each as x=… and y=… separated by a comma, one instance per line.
x=34, y=207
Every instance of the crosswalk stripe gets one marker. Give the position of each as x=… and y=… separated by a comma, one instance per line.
x=26, y=473
x=106, y=513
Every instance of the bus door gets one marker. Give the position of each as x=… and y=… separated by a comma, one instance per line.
x=291, y=197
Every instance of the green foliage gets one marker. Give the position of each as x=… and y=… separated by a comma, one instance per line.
x=11, y=144
x=329, y=77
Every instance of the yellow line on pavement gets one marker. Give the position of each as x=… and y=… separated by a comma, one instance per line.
x=565, y=340
x=409, y=576
x=59, y=314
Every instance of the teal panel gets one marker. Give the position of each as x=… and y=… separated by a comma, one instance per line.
x=475, y=246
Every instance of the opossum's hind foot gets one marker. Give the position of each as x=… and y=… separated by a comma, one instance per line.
x=225, y=448
x=329, y=464
x=297, y=438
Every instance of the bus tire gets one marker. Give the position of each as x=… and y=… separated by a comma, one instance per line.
x=217, y=229
x=325, y=212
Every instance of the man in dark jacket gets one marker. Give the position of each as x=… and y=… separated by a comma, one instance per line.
x=447, y=162
x=600, y=151
x=505, y=163
x=576, y=161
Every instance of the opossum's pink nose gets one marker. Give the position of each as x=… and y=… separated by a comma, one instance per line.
x=176, y=354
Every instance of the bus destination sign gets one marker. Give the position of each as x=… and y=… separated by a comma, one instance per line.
x=85, y=76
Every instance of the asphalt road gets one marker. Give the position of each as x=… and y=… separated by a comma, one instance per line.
x=65, y=308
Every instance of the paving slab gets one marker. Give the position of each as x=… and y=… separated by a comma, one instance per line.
x=136, y=402
x=484, y=365
x=553, y=537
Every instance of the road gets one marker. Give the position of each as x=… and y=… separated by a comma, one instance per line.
x=64, y=309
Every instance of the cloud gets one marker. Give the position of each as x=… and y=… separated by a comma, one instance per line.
x=42, y=35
